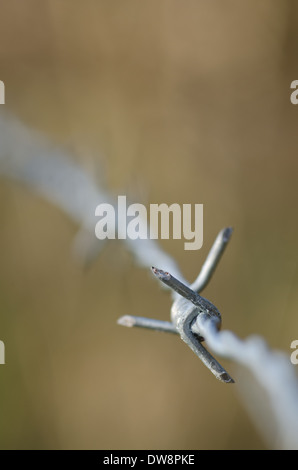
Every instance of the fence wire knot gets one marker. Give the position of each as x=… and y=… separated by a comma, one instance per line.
x=189, y=307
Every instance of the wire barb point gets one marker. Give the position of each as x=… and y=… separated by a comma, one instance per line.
x=149, y=323
x=227, y=232
x=126, y=320
x=160, y=274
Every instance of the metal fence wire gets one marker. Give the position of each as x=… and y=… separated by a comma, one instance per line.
x=27, y=157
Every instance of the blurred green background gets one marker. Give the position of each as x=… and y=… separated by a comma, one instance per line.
x=185, y=102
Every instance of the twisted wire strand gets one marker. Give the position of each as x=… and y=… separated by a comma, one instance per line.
x=28, y=157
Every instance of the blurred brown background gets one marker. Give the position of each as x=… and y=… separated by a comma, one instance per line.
x=184, y=102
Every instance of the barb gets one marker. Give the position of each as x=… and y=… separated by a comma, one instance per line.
x=212, y=259
x=182, y=289
x=183, y=316
x=185, y=313
x=150, y=323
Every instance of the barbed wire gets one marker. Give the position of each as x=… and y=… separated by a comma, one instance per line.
x=29, y=158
